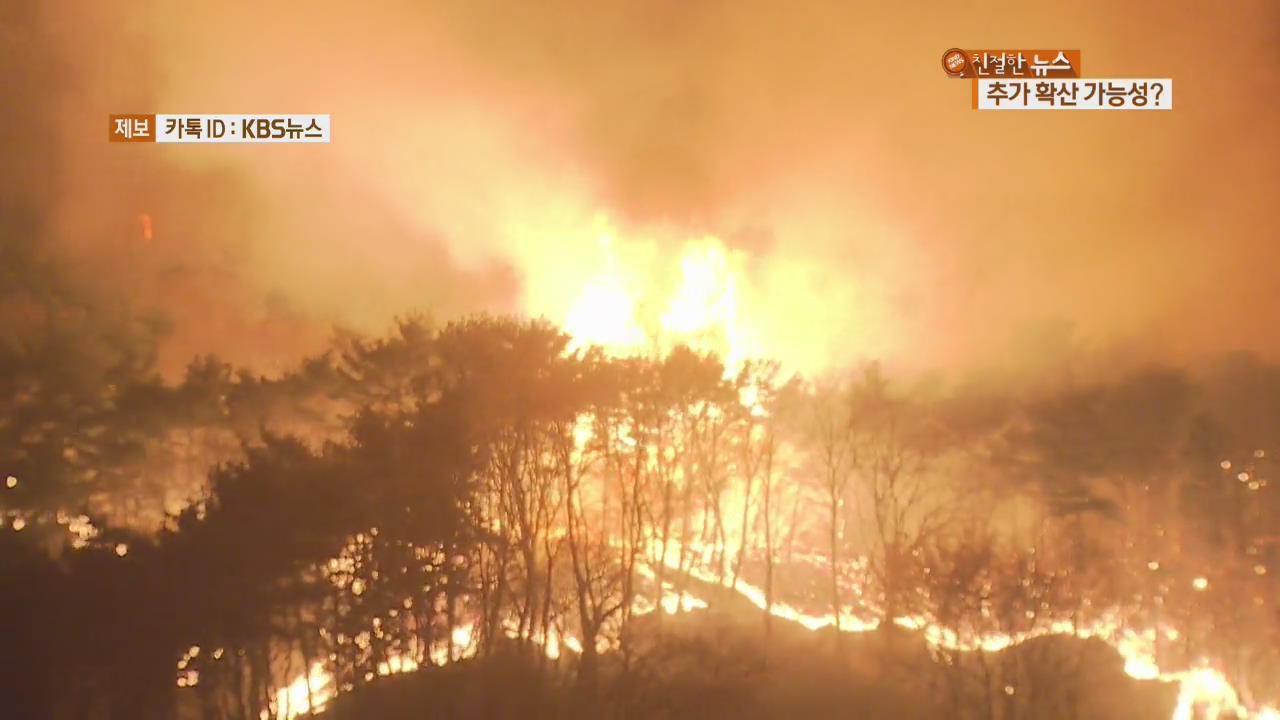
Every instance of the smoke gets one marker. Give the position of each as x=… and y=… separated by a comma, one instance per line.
x=476, y=145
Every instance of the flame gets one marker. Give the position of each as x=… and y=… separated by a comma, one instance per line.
x=1203, y=691
x=311, y=692
x=145, y=226
x=627, y=311
x=640, y=296
x=703, y=312
x=308, y=693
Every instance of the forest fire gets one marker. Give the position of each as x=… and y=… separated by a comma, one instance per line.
x=535, y=493
x=1203, y=690
x=538, y=361
x=599, y=490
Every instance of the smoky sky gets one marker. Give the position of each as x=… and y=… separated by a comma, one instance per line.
x=472, y=140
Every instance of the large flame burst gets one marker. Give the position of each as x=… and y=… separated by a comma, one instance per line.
x=645, y=291
x=625, y=309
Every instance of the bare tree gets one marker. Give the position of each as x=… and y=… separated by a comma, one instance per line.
x=833, y=434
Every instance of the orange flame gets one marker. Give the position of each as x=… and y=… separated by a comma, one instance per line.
x=144, y=223
x=625, y=310
x=638, y=295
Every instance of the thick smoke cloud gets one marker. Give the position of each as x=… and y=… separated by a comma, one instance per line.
x=474, y=144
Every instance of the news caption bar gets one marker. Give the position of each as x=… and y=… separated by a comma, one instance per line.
x=219, y=128
x=1076, y=94
x=1049, y=80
